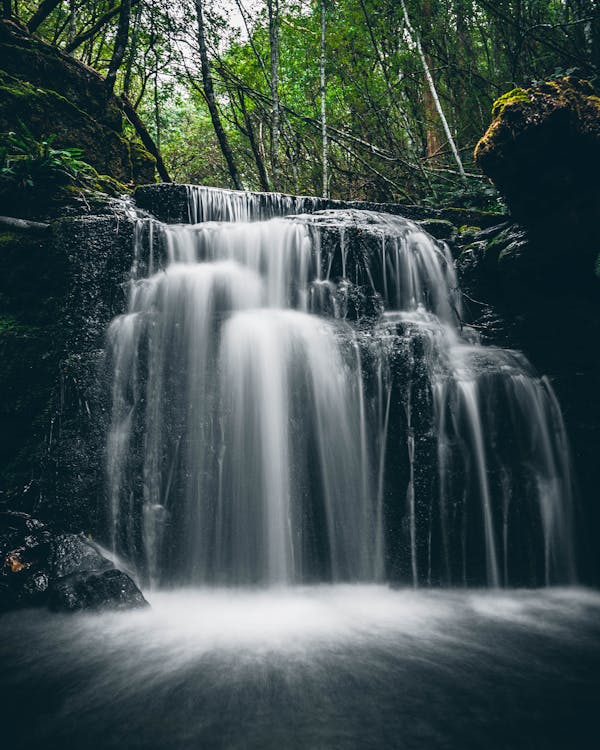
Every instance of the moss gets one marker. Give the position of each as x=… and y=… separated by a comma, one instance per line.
x=54, y=94
x=542, y=151
x=508, y=99
x=142, y=163
x=9, y=325
x=8, y=239
x=441, y=229
x=43, y=110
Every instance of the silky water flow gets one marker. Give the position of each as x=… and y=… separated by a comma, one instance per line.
x=303, y=430
x=295, y=399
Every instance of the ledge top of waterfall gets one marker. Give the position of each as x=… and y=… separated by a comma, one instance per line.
x=169, y=202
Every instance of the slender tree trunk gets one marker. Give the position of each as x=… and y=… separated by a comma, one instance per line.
x=324, y=139
x=72, y=19
x=260, y=166
x=209, y=95
x=273, y=8
x=7, y=11
x=96, y=27
x=434, y=143
x=433, y=92
x=133, y=49
x=120, y=45
x=45, y=8
x=145, y=137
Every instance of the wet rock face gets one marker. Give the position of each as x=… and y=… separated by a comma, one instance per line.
x=58, y=294
x=529, y=292
x=170, y=202
x=542, y=151
x=67, y=572
x=539, y=279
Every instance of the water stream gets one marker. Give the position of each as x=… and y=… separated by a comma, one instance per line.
x=297, y=399
x=331, y=491
x=333, y=667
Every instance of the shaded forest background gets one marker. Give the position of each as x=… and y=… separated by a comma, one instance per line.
x=354, y=99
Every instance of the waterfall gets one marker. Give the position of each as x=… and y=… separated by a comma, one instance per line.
x=208, y=204
x=295, y=399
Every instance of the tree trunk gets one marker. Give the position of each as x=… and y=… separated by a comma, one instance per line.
x=432, y=91
x=120, y=45
x=72, y=19
x=23, y=224
x=273, y=8
x=145, y=137
x=96, y=27
x=133, y=46
x=434, y=143
x=209, y=95
x=324, y=139
x=7, y=11
x=45, y=8
x=260, y=166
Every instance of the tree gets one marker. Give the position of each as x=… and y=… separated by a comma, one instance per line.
x=263, y=100
x=273, y=12
x=325, y=156
x=120, y=45
x=209, y=94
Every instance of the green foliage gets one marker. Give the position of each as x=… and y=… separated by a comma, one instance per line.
x=386, y=140
x=26, y=163
x=476, y=194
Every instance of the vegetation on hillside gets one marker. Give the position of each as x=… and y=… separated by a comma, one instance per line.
x=377, y=99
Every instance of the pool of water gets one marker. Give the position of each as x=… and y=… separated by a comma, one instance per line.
x=313, y=668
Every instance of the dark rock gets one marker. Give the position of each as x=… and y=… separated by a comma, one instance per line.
x=64, y=571
x=542, y=151
x=439, y=228
x=527, y=292
x=111, y=589
x=72, y=553
x=58, y=294
x=55, y=94
x=168, y=202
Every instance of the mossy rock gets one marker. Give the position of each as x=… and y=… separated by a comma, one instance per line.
x=441, y=229
x=542, y=151
x=467, y=234
x=53, y=94
x=508, y=99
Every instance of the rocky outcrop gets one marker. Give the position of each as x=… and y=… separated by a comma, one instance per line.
x=169, y=202
x=65, y=572
x=535, y=284
x=527, y=293
x=542, y=151
x=58, y=292
x=54, y=94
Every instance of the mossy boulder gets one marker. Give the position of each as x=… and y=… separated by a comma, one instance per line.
x=439, y=228
x=54, y=94
x=542, y=151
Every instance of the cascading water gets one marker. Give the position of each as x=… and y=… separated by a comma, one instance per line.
x=293, y=400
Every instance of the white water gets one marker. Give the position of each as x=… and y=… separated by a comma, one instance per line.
x=257, y=436
x=339, y=667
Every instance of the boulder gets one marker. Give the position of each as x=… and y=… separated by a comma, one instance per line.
x=66, y=572
x=110, y=589
x=542, y=151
